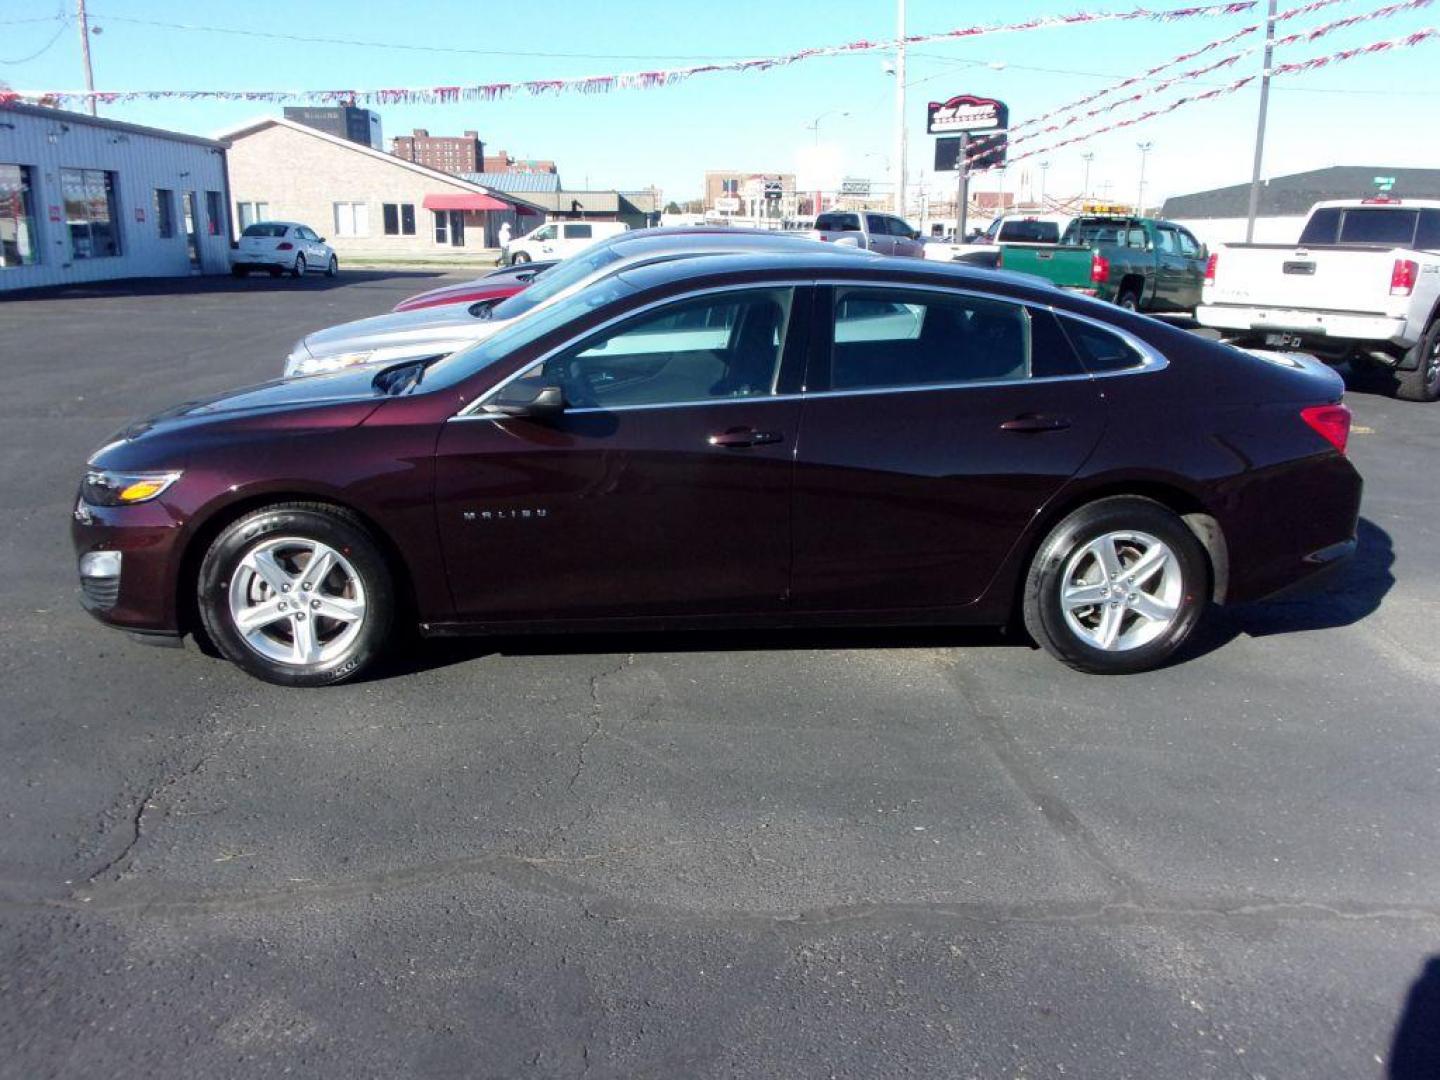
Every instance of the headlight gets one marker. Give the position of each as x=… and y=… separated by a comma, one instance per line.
x=105, y=488
x=305, y=364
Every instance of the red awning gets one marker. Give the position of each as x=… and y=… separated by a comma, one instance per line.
x=464, y=202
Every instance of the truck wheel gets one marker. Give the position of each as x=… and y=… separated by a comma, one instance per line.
x=1422, y=382
x=519, y=257
x=1128, y=299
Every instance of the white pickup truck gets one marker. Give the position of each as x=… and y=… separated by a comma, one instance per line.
x=1362, y=285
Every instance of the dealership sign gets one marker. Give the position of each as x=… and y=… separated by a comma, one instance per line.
x=966, y=112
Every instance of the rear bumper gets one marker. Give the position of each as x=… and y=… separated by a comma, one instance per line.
x=1344, y=326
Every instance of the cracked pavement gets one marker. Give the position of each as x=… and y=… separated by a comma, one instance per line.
x=856, y=854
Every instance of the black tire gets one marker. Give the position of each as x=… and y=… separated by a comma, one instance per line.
x=299, y=269
x=1422, y=382
x=332, y=267
x=240, y=271
x=1043, y=612
x=518, y=258
x=1128, y=299
x=333, y=526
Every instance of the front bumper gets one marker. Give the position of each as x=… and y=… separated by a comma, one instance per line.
x=128, y=560
x=1343, y=326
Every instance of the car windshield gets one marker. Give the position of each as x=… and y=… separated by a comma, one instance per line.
x=265, y=228
x=556, y=280
x=517, y=333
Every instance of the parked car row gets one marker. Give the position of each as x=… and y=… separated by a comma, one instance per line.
x=686, y=429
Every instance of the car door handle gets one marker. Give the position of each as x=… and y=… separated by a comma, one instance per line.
x=1033, y=423
x=736, y=438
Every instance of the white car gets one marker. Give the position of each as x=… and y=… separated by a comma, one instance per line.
x=1362, y=285
x=559, y=240
x=281, y=247
x=1006, y=229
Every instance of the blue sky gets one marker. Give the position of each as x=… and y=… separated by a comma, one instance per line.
x=1369, y=111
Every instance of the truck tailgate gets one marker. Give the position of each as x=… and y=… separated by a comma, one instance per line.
x=1311, y=278
x=1068, y=267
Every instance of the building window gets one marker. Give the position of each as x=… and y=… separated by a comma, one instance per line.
x=730, y=187
x=90, y=213
x=165, y=212
x=18, y=245
x=399, y=218
x=251, y=212
x=442, y=234
x=352, y=219
x=213, y=213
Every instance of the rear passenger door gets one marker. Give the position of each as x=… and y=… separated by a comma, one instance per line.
x=878, y=230
x=935, y=424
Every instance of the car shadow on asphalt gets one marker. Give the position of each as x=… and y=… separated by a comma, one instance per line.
x=1415, y=1047
x=218, y=284
x=1353, y=592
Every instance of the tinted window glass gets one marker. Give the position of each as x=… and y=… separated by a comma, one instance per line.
x=1030, y=232
x=264, y=228
x=1099, y=349
x=885, y=338
x=838, y=223
x=724, y=346
x=391, y=213
x=1097, y=231
x=1167, y=242
x=557, y=279
x=1379, y=226
x=1427, y=236
x=1323, y=227
x=877, y=225
x=1188, y=245
x=577, y=232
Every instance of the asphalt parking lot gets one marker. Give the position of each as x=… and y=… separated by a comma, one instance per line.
x=846, y=855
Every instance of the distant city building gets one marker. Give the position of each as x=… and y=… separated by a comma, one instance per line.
x=638, y=209
x=504, y=163
x=446, y=153
x=343, y=121
x=750, y=195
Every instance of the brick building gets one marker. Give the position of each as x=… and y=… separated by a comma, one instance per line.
x=446, y=153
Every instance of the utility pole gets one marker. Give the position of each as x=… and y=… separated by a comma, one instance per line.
x=1087, y=157
x=1260, y=124
x=900, y=109
x=1044, y=172
x=1144, y=148
x=84, y=23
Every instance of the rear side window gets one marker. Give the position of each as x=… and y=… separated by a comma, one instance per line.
x=838, y=223
x=1100, y=350
x=1427, y=236
x=578, y=232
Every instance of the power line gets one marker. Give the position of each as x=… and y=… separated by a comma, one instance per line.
x=43, y=48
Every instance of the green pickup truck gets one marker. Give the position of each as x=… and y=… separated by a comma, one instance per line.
x=1139, y=263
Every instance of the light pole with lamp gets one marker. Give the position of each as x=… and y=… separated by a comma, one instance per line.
x=1044, y=170
x=814, y=126
x=1144, y=148
x=1086, y=157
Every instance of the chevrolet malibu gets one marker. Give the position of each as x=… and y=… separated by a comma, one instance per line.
x=737, y=440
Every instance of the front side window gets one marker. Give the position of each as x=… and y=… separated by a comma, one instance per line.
x=1427, y=235
x=90, y=213
x=578, y=232
x=1166, y=241
x=886, y=338
x=19, y=245
x=877, y=225
x=716, y=348
x=545, y=232
x=1188, y=245
x=352, y=219
x=165, y=212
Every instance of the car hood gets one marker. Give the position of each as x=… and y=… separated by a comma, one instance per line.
x=449, y=325
x=470, y=292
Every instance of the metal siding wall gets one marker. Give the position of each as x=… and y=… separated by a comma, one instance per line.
x=141, y=163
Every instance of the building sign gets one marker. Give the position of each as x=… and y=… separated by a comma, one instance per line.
x=984, y=151
x=727, y=204
x=966, y=112
x=855, y=185
x=774, y=189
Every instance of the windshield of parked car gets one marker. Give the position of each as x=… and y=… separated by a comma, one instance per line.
x=519, y=332
x=556, y=280
x=265, y=228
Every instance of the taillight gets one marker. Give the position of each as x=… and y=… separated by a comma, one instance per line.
x=1403, y=276
x=1331, y=422
x=284, y=245
x=1210, y=267
x=999, y=258
x=1099, y=268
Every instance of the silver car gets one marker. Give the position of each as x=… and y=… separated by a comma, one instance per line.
x=440, y=330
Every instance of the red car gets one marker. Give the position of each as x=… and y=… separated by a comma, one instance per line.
x=494, y=286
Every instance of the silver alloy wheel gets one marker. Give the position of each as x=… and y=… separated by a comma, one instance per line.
x=297, y=601
x=1122, y=590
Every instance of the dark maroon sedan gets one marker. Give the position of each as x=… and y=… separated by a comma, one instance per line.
x=779, y=439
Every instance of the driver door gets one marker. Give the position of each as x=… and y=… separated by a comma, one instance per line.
x=664, y=486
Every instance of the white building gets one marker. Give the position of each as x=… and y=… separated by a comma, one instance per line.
x=86, y=199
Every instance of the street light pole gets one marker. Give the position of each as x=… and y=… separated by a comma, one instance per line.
x=1044, y=171
x=815, y=127
x=900, y=109
x=1086, y=157
x=1144, y=148
x=1260, y=124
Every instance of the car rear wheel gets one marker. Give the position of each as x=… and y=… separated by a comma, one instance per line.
x=1422, y=382
x=519, y=257
x=1116, y=587
x=1128, y=299
x=297, y=594
x=332, y=267
x=299, y=270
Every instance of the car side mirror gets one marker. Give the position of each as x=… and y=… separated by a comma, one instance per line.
x=323, y=240
x=548, y=403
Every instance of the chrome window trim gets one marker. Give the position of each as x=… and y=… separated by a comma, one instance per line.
x=1150, y=359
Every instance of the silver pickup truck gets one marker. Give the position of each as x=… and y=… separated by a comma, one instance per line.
x=882, y=233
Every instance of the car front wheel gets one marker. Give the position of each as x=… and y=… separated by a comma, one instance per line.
x=332, y=267
x=1116, y=587
x=297, y=594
